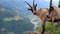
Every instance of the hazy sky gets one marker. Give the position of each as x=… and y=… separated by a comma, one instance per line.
x=43, y=3
x=40, y=3
x=21, y=5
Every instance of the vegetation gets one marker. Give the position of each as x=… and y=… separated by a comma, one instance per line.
x=54, y=28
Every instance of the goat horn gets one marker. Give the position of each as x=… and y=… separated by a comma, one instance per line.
x=59, y=4
x=33, y=3
x=28, y=4
x=50, y=6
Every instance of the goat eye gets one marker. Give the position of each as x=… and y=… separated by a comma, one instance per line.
x=47, y=9
x=34, y=13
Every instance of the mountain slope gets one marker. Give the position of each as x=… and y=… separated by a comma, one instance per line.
x=12, y=23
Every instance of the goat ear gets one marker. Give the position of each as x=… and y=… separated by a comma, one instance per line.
x=29, y=9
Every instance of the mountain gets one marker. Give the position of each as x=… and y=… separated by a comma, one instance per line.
x=19, y=5
x=6, y=12
x=11, y=22
x=35, y=20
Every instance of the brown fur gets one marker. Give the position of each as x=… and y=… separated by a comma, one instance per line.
x=55, y=14
x=51, y=14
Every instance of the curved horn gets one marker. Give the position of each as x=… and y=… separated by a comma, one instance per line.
x=28, y=4
x=33, y=2
x=59, y=4
x=32, y=8
x=34, y=5
x=51, y=7
x=50, y=3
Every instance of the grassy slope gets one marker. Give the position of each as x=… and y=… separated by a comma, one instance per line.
x=54, y=28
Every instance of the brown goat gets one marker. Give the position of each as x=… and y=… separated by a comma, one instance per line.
x=51, y=14
x=54, y=13
x=41, y=13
